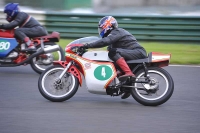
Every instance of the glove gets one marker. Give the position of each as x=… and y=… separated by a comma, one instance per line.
x=85, y=46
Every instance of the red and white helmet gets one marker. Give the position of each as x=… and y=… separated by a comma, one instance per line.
x=106, y=24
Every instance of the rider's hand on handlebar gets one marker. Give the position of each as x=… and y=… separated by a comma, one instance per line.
x=85, y=46
x=82, y=48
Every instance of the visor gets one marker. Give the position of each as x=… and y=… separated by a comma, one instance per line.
x=101, y=31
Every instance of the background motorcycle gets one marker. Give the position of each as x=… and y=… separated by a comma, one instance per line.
x=47, y=51
x=153, y=85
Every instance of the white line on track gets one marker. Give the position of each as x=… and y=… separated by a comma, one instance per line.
x=186, y=65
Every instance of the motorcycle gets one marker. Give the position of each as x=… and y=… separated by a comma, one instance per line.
x=47, y=51
x=153, y=85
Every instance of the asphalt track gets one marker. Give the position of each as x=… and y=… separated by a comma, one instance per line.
x=24, y=110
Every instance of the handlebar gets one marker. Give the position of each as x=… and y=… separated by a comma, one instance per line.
x=81, y=50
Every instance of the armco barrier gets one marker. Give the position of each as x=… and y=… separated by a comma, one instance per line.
x=145, y=28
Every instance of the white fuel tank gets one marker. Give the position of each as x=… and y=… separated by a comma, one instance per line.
x=97, y=56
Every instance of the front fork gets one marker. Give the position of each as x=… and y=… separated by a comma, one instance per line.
x=63, y=73
x=65, y=70
x=69, y=67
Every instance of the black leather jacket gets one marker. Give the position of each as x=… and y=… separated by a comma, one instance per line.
x=23, y=20
x=118, y=38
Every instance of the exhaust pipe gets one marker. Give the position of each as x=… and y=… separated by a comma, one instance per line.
x=41, y=51
x=51, y=49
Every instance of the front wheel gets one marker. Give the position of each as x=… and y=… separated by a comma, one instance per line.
x=41, y=62
x=54, y=89
x=157, y=91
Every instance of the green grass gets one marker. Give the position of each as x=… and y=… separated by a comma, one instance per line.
x=188, y=54
x=180, y=53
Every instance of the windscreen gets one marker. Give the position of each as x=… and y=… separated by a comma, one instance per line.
x=85, y=40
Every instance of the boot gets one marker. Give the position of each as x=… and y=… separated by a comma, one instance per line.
x=125, y=68
x=30, y=45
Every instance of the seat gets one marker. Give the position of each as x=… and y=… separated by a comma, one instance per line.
x=148, y=59
x=53, y=37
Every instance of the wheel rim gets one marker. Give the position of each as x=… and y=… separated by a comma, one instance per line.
x=49, y=80
x=41, y=62
x=163, y=85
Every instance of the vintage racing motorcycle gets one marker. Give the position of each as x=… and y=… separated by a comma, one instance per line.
x=153, y=85
x=47, y=51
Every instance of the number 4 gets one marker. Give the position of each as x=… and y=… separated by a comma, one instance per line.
x=103, y=72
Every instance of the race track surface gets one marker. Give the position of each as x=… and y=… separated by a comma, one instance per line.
x=24, y=110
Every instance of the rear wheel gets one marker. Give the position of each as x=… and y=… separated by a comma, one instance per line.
x=157, y=91
x=42, y=62
x=57, y=90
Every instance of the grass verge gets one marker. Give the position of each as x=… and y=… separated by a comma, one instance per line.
x=185, y=54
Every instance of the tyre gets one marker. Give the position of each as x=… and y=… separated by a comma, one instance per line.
x=42, y=62
x=57, y=90
x=157, y=91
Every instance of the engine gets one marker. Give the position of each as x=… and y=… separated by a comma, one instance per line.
x=9, y=58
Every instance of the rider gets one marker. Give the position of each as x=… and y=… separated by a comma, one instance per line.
x=28, y=26
x=122, y=46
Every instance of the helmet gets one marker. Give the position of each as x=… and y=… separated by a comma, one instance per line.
x=11, y=9
x=106, y=25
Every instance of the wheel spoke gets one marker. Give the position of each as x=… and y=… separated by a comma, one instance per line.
x=157, y=87
x=57, y=89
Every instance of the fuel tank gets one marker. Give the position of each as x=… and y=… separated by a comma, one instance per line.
x=6, y=46
x=97, y=56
